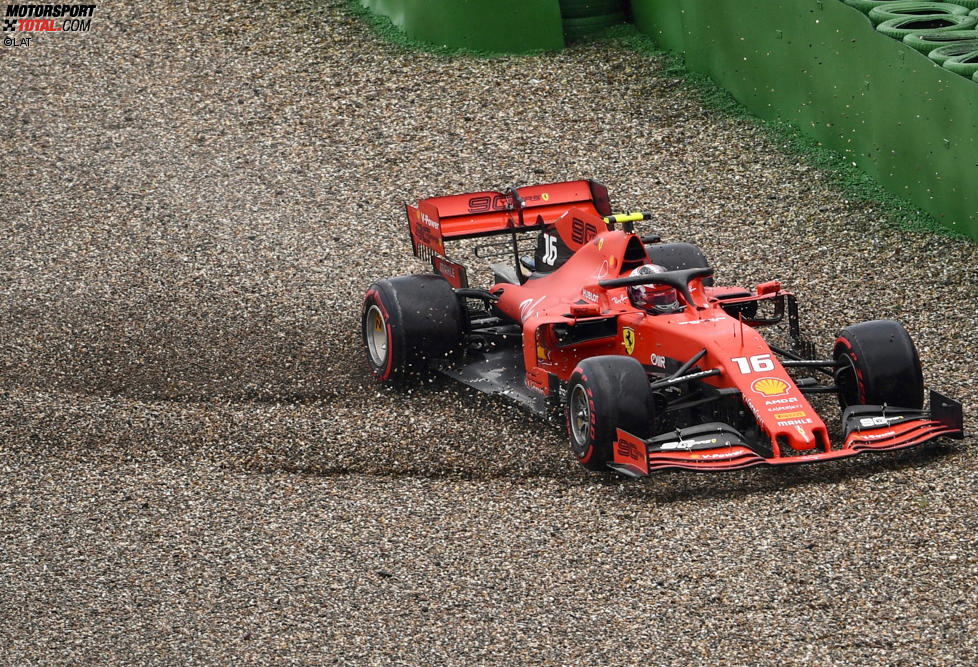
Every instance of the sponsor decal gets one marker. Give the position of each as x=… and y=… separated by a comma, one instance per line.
x=529, y=306
x=708, y=319
x=499, y=202
x=45, y=18
x=600, y=243
x=589, y=295
x=426, y=219
x=619, y=299
x=582, y=232
x=876, y=436
x=791, y=415
x=657, y=360
x=628, y=339
x=801, y=432
x=718, y=455
x=876, y=422
x=795, y=422
x=779, y=403
x=750, y=405
x=686, y=444
x=628, y=450
x=769, y=386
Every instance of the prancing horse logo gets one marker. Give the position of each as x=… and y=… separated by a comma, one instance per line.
x=628, y=339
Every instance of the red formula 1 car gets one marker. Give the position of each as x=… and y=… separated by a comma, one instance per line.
x=652, y=365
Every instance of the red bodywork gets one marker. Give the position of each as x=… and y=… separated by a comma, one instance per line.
x=572, y=298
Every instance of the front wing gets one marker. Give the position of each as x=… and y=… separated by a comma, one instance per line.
x=716, y=446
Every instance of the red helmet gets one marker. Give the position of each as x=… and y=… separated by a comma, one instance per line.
x=653, y=298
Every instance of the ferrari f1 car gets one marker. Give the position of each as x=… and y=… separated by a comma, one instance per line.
x=652, y=365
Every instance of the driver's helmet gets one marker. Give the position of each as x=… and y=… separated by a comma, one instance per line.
x=653, y=298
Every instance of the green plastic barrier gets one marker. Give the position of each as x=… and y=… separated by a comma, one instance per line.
x=820, y=65
x=496, y=26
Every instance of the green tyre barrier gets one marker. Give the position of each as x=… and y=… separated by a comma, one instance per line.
x=965, y=64
x=925, y=42
x=919, y=9
x=901, y=27
x=866, y=6
x=975, y=77
x=970, y=4
x=579, y=9
x=590, y=25
x=942, y=53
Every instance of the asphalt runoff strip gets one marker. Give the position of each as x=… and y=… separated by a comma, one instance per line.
x=196, y=468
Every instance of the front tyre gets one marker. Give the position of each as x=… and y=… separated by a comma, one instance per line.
x=409, y=324
x=606, y=393
x=877, y=364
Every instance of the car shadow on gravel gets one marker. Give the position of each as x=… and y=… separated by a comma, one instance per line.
x=352, y=426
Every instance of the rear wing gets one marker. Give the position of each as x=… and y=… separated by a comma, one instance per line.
x=438, y=219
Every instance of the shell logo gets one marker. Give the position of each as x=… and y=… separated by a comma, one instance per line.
x=770, y=386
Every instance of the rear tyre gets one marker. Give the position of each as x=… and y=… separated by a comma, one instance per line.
x=674, y=256
x=606, y=393
x=410, y=323
x=877, y=364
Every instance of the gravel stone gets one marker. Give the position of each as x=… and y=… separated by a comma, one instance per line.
x=197, y=468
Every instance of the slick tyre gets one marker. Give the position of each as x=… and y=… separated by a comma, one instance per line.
x=410, y=323
x=673, y=256
x=606, y=393
x=877, y=363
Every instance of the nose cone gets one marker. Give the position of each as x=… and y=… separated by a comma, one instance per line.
x=800, y=432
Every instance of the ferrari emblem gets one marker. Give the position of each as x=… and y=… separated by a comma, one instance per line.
x=628, y=339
